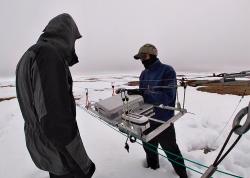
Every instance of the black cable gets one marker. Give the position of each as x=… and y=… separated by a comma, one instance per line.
x=219, y=158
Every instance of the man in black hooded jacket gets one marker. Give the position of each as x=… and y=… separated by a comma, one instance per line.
x=44, y=92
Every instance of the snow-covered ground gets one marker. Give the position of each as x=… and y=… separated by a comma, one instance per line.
x=106, y=147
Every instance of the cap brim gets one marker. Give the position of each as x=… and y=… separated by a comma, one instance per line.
x=137, y=56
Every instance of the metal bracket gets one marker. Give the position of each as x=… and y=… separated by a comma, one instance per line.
x=146, y=138
x=161, y=128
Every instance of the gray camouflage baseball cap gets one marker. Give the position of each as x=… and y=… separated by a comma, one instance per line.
x=146, y=49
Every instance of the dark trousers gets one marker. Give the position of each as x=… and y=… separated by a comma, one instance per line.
x=167, y=140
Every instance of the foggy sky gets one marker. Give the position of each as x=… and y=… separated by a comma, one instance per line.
x=191, y=35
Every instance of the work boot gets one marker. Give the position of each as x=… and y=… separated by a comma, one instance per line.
x=183, y=174
x=154, y=167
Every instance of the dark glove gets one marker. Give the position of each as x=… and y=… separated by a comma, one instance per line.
x=129, y=91
x=134, y=92
x=119, y=90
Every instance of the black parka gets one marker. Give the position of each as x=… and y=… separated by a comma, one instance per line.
x=44, y=93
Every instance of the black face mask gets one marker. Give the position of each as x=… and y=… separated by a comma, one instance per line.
x=149, y=62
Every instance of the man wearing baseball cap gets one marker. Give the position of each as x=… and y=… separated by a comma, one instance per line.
x=158, y=86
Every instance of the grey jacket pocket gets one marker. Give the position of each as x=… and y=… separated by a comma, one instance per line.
x=79, y=154
x=44, y=154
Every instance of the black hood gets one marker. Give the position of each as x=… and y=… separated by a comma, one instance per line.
x=62, y=33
